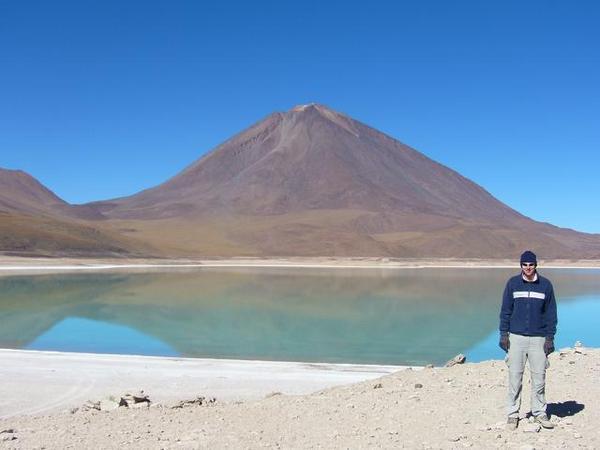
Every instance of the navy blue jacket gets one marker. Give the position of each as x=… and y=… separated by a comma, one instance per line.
x=528, y=308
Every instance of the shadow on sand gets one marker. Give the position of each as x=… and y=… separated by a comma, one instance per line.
x=564, y=409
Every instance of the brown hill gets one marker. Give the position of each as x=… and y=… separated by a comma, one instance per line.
x=35, y=221
x=21, y=193
x=312, y=181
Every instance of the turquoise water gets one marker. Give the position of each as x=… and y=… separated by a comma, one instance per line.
x=378, y=316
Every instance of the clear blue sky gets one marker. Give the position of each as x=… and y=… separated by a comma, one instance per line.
x=101, y=99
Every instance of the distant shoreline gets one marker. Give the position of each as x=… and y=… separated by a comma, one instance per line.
x=15, y=265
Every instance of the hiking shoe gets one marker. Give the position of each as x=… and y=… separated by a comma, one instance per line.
x=543, y=420
x=512, y=423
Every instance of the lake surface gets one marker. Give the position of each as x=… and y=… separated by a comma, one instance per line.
x=376, y=316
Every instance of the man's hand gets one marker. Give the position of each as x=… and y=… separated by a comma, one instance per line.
x=504, y=342
x=548, y=345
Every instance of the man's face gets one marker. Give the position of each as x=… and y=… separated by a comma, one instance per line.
x=528, y=269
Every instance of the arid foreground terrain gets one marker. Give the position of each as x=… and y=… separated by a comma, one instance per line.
x=456, y=407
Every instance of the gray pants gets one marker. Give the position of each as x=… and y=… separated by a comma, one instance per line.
x=521, y=350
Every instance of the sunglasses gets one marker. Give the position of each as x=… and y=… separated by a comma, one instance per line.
x=527, y=264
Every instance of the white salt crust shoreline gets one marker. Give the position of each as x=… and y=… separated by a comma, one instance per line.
x=40, y=382
x=232, y=264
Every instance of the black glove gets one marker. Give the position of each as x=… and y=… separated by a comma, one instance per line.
x=504, y=342
x=548, y=345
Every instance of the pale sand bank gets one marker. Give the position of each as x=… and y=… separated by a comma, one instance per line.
x=449, y=408
x=35, y=382
x=19, y=265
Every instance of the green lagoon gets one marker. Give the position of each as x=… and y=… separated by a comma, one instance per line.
x=373, y=316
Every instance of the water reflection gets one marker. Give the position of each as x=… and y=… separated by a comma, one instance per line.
x=364, y=316
x=74, y=334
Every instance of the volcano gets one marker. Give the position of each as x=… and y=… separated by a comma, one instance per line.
x=314, y=182
x=307, y=182
x=313, y=158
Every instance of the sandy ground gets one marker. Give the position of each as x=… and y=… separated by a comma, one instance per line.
x=456, y=407
x=35, y=382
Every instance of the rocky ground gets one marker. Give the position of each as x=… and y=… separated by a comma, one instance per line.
x=455, y=407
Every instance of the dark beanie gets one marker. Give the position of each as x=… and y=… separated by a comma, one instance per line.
x=528, y=257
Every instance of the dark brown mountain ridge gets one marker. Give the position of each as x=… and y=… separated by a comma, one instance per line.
x=34, y=221
x=314, y=182
x=22, y=193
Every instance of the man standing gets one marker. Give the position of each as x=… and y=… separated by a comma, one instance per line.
x=527, y=328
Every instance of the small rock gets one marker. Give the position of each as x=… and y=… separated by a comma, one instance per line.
x=140, y=396
x=276, y=394
x=8, y=431
x=418, y=385
x=578, y=344
x=198, y=401
x=577, y=436
x=458, y=359
x=378, y=386
x=89, y=405
x=454, y=439
x=499, y=436
x=571, y=362
x=567, y=421
x=429, y=366
x=135, y=400
x=8, y=437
